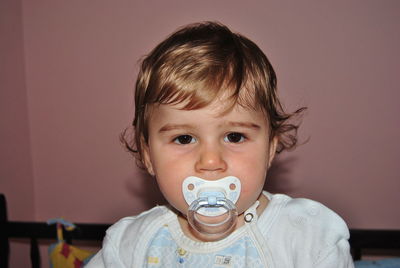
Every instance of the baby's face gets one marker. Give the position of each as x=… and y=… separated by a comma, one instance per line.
x=211, y=145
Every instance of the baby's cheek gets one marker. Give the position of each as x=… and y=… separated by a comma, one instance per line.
x=172, y=191
x=252, y=187
x=248, y=196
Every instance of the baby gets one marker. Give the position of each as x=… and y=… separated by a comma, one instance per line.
x=208, y=123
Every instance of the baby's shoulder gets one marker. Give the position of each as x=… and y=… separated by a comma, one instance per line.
x=137, y=224
x=133, y=228
x=124, y=240
x=308, y=213
x=308, y=219
x=307, y=230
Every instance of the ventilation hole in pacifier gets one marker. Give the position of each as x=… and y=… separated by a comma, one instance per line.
x=190, y=186
x=232, y=186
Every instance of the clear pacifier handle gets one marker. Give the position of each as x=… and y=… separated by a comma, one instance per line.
x=221, y=227
x=212, y=211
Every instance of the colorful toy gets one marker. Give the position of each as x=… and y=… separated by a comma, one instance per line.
x=63, y=255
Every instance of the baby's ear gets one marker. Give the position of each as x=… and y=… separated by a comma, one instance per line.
x=272, y=150
x=147, y=160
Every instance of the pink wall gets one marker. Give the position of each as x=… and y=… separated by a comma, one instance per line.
x=69, y=76
x=16, y=179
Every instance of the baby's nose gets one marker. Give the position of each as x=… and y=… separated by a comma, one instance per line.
x=211, y=159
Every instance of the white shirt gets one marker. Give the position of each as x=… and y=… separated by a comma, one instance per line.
x=297, y=233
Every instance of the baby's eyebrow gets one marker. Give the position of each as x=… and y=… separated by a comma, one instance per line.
x=244, y=124
x=169, y=127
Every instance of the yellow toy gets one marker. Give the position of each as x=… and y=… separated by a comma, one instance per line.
x=63, y=255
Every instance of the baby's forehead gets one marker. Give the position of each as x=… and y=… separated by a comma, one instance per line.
x=216, y=109
x=220, y=100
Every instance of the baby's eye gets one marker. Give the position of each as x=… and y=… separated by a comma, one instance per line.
x=234, y=137
x=184, y=139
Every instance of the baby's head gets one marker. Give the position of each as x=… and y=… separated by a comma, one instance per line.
x=207, y=107
x=200, y=63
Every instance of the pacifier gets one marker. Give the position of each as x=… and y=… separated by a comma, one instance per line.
x=212, y=211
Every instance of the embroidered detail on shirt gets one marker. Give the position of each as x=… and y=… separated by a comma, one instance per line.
x=313, y=210
x=153, y=260
x=181, y=255
x=244, y=252
x=223, y=260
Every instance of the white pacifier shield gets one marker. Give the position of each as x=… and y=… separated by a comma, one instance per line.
x=194, y=188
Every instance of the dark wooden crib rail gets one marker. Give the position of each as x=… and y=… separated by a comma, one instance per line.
x=360, y=240
x=35, y=231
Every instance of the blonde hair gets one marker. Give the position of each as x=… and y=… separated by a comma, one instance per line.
x=199, y=63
